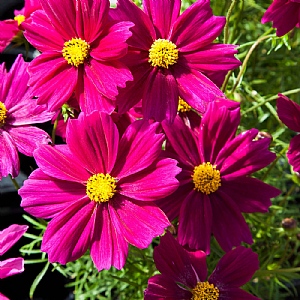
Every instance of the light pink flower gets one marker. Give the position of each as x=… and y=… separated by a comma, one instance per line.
x=17, y=112
x=11, y=266
x=100, y=191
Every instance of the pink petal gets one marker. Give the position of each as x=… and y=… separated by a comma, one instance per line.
x=45, y=197
x=236, y=294
x=2, y=297
x=156, y=182
x=53, y=79
x=28, y=138
x=195, y=88
x=288, y=112
x=139, y=223
x=183, y=141
x=160, y=98
x=108, y=76
x=11, y=267
x=218, y=126
x=68, y=235
x=10, y=235
x=113, y=45
x=8, y=29
x=235, y=268
x=59, y=162
x=196, y=27
x=195, y=222
x=99, y=139
x=162, y=14
x=214, y=57
x=10, y=163
x=293, y=153
x=228, y=224
x=250, y=194
x=139, y=147
x=59, y=14
x=41, y=34
x=109, y=248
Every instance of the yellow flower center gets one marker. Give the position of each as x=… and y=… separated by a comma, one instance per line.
x=205, y=291
x=3, y=114
x=206, y=178
x=20, y=19
x=75, y=51
x=100, y=187
x=163, y=53
x=183, y=106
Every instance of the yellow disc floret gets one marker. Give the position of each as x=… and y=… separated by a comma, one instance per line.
x=20, y=19
x=205, y=291
x=75, y=51
x=163, y=53
x=3, y=114
x=206, y=178
x=100, y=187
x=183, y=106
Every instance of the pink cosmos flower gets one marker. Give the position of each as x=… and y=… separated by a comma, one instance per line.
x=12, y=29
x=215, y=187
x=171, y=54
x=99, y=191
x=80, y=48
x=17, y=111
x=289, y=113
x=183, y=274
x=285, y=15
x=11, y=266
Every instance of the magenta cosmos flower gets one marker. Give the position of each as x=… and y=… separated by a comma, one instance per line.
x=80, y=48
x=17, y=111
x=215, y=187
x=289, y=113
x=100, y=191
x=170, y=54
x=11, y=266
x=11, y=30
x=184, y=274
x=285, y=15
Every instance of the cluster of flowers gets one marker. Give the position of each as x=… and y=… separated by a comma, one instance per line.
x=154, y=141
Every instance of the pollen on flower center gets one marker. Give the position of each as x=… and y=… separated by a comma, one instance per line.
x=163, y=53
x=20, y=19
x=206, y=178
x=183, y=106
x=75, y=51
x=100, y=187
x=205, y=291
x=3, y=114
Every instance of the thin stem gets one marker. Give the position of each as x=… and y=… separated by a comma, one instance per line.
x=224, y=85
x=54, y=130
x=244, y=65
x=226, y=28
x=14, y=181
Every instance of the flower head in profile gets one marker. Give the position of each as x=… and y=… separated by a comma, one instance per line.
x=17, y=112
x=284, y=14
x=184, y=274
x=100, y=191
x=10, y=266
x=12, y=30
x=171, y=55
x=80, y=48
x=289, y=113
x=215, y=187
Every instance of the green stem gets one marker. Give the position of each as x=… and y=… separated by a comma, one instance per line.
x=54, y=130
x=226, y=28
x=14, y=181
x=270, y=99
x=244, y=65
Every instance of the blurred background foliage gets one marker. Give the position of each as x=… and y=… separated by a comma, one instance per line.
x=270, y=66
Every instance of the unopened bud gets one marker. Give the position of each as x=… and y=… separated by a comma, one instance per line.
x=289, y=223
